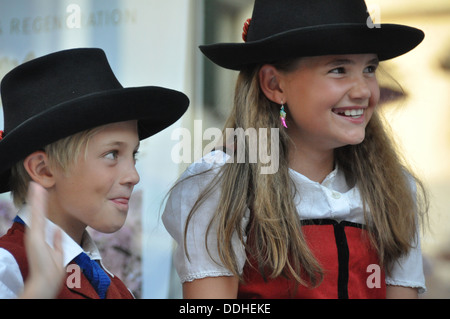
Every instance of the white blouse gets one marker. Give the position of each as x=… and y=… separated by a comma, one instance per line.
x=331, y=199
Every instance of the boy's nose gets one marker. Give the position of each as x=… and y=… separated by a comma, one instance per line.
x=131, y=177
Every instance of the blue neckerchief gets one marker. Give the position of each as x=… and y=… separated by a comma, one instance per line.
x=94, y=273
x=19, y=220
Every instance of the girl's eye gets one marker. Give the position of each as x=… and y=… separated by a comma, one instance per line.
x=112, y=155
x=135, y=156
x=371, y=69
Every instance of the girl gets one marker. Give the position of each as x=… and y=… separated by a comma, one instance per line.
x=339, y=219
x=71, y=128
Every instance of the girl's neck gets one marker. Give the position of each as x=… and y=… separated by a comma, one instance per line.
x=312, y=163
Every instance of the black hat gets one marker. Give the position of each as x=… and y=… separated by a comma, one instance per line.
x=66, y=92
x=281, y=29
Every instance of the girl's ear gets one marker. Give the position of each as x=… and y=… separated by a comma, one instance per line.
x=269, y=81
x=38, y=167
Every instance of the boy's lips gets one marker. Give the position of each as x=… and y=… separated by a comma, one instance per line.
x=121, y=202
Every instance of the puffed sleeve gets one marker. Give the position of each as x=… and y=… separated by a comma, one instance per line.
x=192, y=183
x=408, y=270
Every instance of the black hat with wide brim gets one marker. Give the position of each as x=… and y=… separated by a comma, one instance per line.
x=283, y=29
x=66, y=92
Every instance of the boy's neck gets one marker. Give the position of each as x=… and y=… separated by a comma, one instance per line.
x=71, y=227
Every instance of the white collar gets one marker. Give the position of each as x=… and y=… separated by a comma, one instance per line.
x=70, y=248
x=334, y=181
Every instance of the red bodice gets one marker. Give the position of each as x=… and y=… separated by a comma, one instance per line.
x=349, y=263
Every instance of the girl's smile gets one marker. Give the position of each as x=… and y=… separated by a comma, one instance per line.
x=354, y=114
x=330, y=99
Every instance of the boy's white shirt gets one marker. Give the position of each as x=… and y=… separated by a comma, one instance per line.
x=11, y=280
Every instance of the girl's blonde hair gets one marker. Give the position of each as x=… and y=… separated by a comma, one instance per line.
x=62, y=154
x=274, y=234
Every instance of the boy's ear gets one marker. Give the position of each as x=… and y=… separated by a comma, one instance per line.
x=269, y=81
x=38, y=167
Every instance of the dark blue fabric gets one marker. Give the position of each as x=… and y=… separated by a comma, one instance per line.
x=94, y=273
x=19, y=220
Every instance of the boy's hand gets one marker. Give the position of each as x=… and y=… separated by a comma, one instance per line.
x=46, y=271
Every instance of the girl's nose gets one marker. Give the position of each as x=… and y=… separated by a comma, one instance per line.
x=360, y=89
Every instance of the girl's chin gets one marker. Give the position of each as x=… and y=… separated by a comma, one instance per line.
x=356, y=141
x=352, y=140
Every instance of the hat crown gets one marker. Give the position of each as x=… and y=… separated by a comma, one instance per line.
x=272, y=17
x=37, y=86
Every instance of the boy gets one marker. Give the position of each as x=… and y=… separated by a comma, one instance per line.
x=71, y=128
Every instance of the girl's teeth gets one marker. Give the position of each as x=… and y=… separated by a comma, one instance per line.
x=354, y=113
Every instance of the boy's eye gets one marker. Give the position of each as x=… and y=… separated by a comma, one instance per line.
x=111, y=155
x=340, y=70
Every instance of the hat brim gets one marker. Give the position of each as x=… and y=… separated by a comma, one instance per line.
x=155, y=108
x=386, y=40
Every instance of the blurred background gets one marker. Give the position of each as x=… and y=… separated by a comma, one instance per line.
x=152, y=42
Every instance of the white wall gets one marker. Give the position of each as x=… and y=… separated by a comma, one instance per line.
x=146, y=42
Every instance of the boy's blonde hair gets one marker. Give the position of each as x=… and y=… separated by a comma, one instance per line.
x=62, y=154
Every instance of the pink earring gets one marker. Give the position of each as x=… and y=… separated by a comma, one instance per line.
x=283, y=116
